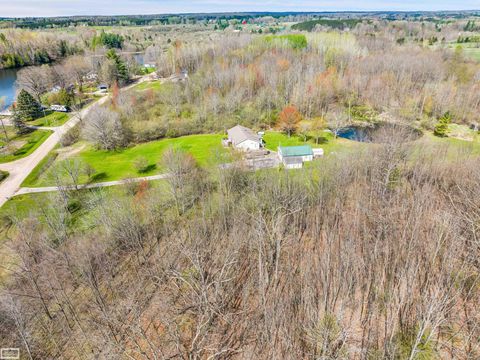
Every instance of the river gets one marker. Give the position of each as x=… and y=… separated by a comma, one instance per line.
x=7, y=86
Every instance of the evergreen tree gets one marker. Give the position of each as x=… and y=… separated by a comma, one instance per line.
x=27, y=108
x=120, y=66
x=441, y=128
x=19, y=124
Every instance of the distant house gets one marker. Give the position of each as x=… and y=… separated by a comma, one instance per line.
x=150, y=66
x=178, y=77
x=293, y=157
x=91, y=76
x=243, y=138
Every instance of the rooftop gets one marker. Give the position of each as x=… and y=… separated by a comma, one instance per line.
x=302, y=150
x=239, y=134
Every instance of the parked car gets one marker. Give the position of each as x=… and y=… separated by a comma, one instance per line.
x=59, y=108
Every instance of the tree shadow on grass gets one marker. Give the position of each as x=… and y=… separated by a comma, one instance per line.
x=147, y=169
x=98, y=177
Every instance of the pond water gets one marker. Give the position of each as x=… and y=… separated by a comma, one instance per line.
x=379, y=133
x=7, y=86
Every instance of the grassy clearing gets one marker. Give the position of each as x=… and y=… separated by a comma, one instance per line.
x=470, y=50
x=147, y=85
x=53, y=119
x=118, y=165
x=40, y=169
x=30, y=141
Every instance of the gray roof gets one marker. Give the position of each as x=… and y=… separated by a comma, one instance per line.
x=239, y=134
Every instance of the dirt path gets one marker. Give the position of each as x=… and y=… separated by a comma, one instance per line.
x=23, y=191
x=20, y=169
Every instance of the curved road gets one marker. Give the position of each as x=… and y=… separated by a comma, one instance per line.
x=21, y=168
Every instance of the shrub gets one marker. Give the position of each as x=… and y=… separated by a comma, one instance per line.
x=141, y=164
x=441, y=128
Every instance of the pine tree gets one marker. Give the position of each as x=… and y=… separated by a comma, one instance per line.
x=121, y=68
x=27, y=108
x=441, y=128
x=19, y=124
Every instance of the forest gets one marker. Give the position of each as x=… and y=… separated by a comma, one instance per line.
x=369, y=252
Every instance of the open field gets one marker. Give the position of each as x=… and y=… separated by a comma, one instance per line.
x=470, y=50
x=117, y=165
x=27, y=144
x=154, y=85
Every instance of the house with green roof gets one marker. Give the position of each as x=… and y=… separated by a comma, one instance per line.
x=293, y=157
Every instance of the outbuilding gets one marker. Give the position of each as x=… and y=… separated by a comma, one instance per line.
x=293, y=157
x=243, y=138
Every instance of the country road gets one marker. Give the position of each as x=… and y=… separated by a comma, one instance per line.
x=21, y=168
x=25, y=190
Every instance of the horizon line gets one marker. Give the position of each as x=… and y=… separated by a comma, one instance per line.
x=249, y=12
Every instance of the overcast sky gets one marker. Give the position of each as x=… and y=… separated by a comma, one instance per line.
x=21, y=8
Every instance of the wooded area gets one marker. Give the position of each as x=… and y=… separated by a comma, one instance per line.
x=370, y=252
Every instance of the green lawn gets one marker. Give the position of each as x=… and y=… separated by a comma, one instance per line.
x=117, y=165
x=146, y=85
x=470, y=50
x=31, y=142
x=453, y=148
x=53, y=119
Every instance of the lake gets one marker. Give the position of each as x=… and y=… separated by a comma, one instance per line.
x=7, y=86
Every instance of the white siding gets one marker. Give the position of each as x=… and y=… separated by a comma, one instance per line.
x=294, y=166
x=248, y=145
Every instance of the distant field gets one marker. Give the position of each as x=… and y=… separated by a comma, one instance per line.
x=155, y=85
x=470, y=50
x=332, y=23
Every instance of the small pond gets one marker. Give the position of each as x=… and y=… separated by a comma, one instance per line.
x=379, y=133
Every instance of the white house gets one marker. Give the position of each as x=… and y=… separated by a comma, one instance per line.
x=244, y=138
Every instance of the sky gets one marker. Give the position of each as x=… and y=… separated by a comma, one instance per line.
x=38, y=8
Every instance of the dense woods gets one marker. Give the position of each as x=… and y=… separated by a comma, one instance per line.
x=251, y=79
x=374, y=256
x=370, y=253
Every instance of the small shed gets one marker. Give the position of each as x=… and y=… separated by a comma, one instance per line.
x=293, y=157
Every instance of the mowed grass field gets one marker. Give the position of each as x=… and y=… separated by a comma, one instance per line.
x=52, y=120
x=118, y=165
